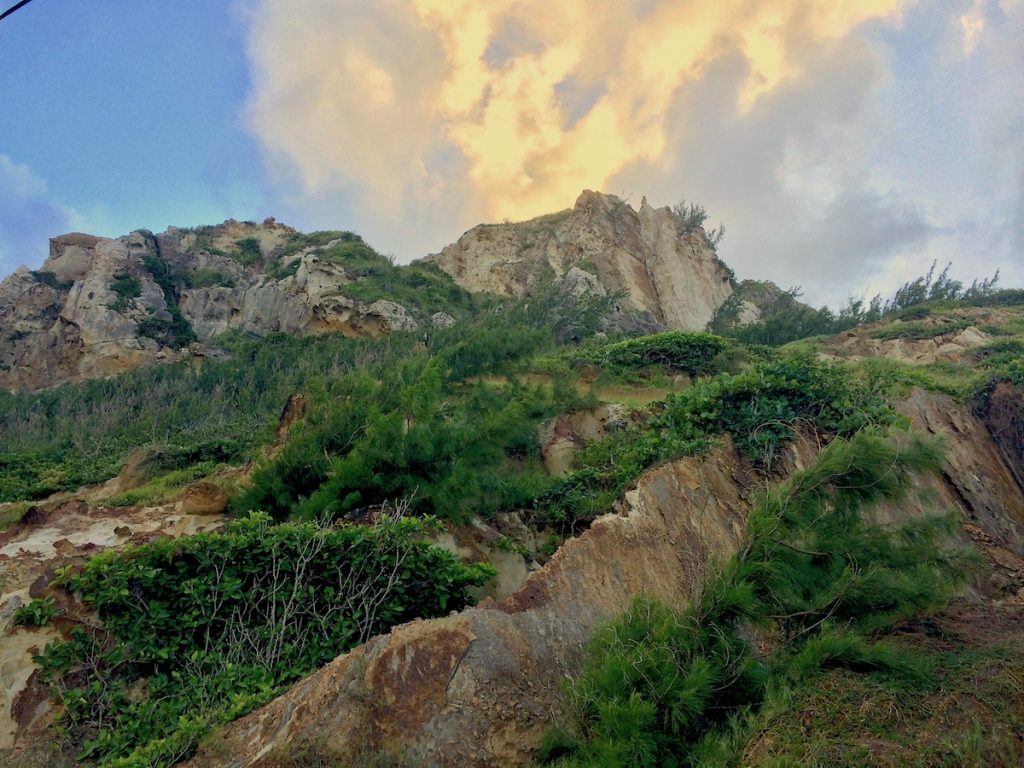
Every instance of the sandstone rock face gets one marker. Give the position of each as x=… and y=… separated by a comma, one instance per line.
x=668, y=273
x=477, y=688
x=83, y=313
x=204, y=498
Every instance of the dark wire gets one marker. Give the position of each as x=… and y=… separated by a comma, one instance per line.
x=13, y=8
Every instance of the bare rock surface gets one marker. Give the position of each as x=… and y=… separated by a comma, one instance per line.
x=85, y=312
x=669, y=272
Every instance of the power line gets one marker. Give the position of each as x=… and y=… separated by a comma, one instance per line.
x=13, y=8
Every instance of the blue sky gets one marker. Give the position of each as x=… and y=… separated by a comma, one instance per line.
x=129, y=113
x=845, y=146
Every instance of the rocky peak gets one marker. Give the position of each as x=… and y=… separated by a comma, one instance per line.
x=667, y=270
x=99, y=306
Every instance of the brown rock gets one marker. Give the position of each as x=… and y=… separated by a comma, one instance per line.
x=204, y=498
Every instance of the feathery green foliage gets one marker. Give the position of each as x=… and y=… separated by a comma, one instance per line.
x=670, y=688
x=688, y=351
x=760, y=409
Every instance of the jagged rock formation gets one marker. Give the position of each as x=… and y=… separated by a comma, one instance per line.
x=99, y=306
x=668, y=270
x=477, y=688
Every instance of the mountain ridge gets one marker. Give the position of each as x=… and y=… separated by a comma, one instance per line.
x=100, y=306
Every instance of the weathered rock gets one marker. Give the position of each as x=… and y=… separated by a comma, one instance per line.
x=478, y=688
x=204, y=498
x=79, y=316
x=442, y=320
x=562, y=437
x=668, y=272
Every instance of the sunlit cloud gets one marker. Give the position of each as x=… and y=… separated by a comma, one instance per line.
x=419, y=118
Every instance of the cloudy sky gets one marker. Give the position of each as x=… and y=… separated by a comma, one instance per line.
x=844, y=145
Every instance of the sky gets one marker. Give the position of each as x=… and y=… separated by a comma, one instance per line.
x=845, y=146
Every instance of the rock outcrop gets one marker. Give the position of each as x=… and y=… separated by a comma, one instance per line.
x=667, y=270
x=100, y=306
x=478, y=688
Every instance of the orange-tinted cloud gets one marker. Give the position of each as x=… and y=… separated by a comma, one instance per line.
x=381, y=97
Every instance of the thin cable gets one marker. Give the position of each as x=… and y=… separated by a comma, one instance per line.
x=13, y=8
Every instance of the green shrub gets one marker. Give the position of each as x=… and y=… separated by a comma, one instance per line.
x=50, y=279
x=299, y=241
x=175, y=332
x=127, y=288
x=764, y=406
x=248, y=252
x=208, y=278
x=423, y=288
x=689, y=351
x=199, y=630
x=916, y=331
x=37, y=613
x=760, y=409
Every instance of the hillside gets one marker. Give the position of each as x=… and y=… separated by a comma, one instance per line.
x=512, y=524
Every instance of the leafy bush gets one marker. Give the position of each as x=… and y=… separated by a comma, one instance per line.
x=762, y=407
x=37, y=474
x=37, y=613
x=460, y=452
x=663, y=687
x=248, y=251
x=423, y=288
x=687, y=351
x=199, y=630
x=174, y=332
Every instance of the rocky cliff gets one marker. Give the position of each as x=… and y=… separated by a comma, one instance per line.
x=101, y=306
x=667, y=269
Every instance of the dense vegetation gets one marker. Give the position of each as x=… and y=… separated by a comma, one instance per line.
x=759, y=409
x=813, y=580
x=199, y=630
x=785, y=319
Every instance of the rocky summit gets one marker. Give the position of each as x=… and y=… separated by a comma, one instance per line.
x=100, y=306
x=666, y=269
